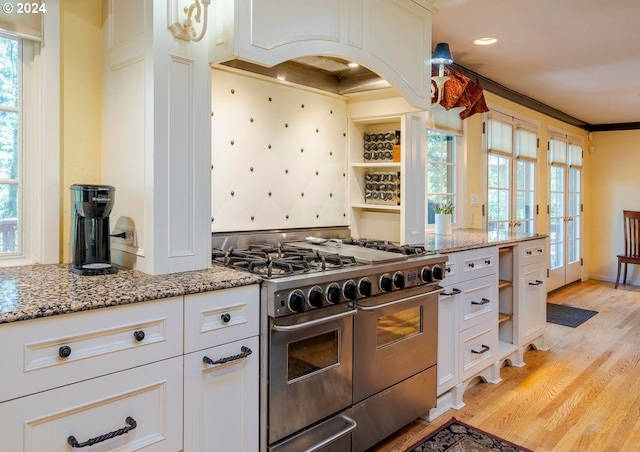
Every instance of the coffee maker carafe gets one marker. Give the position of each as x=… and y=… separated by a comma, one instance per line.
x=90, y=234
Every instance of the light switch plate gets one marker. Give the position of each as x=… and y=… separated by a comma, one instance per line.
x=475, y=200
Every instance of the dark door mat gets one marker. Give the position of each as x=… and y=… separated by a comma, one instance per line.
x=561, y=314
x=456, y=436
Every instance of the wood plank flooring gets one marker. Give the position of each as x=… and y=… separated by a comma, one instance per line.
x=583, y=394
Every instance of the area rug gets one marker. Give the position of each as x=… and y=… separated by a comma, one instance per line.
x=456, y=436
x=561, y=314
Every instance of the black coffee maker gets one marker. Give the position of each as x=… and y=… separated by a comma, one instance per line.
x=90, y=234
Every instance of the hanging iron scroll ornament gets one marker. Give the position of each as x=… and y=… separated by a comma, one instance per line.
x=186, y=31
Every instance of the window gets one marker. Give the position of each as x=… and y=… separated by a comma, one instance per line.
x=512, y=153
x=441, y=172
x=30, y=137
x=11, y=155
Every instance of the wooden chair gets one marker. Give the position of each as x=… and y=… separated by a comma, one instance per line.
x=631, y=243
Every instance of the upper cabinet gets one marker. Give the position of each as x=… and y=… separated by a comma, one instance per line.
x=390, y=37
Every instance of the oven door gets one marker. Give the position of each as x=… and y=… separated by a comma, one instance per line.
x=310, y=356
x=395, y=337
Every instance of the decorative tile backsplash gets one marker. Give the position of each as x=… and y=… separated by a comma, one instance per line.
x=279, y=156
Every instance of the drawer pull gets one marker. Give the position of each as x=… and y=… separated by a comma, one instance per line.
x=138, y=335
x=64, y=351
x=471, y=265
x=529, y=252
x=454, y=291
x=488, y=262
x=484, y=301
x=226, y=318
x=485, y=348
x=537, y=283
x=131, y=424
x=246, y=351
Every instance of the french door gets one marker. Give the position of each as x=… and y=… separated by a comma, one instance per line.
x=565, y=220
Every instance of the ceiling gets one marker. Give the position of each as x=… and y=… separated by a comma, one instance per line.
x=578, y=59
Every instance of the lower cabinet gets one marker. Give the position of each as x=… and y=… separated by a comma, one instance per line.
x=135, y=409
x=221, y=404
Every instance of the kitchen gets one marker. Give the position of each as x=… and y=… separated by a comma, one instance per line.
x=83, y=82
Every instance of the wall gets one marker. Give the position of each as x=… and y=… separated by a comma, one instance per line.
x=81, y=79
x=613, y=185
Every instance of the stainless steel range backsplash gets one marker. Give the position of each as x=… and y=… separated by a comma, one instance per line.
x=279, y=156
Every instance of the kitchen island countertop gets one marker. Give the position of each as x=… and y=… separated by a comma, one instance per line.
x=34, y=291
x=468, y=239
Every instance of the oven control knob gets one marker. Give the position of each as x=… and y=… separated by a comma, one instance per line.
x=425, y=275
x=316, y=297
x=333, y=293
x=364, y=287
x=349, y=290
x=386, y=283
x=398, y=280
x=296, y=301
x=437, y=273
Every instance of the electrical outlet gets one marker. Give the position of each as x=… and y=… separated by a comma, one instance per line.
x=475, y=200
x=129, y=235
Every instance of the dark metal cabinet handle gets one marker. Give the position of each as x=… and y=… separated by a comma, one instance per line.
x=488, y=262
x=529, y=253
x=454, y=291
x=64, y=351
x=471, y=265
x=226, y=318
x=485, y=348
x=448, y=269
x=484, y=301
x=138, y=335
x=246, y=351
x=131, y=424
x=537, y=283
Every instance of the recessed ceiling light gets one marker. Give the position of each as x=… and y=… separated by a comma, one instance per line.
x=485, y=41
x=353, y=64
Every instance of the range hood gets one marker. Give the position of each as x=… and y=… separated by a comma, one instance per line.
x=325, y=73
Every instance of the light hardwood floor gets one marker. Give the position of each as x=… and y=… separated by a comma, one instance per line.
x=583, y=394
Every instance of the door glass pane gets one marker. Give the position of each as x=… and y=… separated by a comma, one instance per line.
x=575, y=219
x=398, y=326
x=312, y=354
x=9, y=237
x=525, y=191
x=557, y=216
x=498, y=192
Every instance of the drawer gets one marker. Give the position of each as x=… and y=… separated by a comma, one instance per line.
x=221, y=316
x=478, y=349
x=477, y=263
x=151, y=396
x=46, y=353
x=451, y=271
x=533, y=251
x=478, y=301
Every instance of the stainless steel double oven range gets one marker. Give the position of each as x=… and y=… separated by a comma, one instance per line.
x=348, y=335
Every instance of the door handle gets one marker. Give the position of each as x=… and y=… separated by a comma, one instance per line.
x=351, y=425
x=303, y=325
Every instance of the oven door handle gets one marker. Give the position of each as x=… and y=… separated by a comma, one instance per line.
x=351, y=425
x=437, y=290
x=310, y=323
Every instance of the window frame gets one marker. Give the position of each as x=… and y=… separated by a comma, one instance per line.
x=516, y=122
x=459, y=185
x=40, y=138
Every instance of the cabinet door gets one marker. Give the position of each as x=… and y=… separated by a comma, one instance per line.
x=447, y=369
x=137, y=409
x=532, y=304
x=221, y=403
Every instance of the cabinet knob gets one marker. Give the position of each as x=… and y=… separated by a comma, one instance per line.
x=64, y=351
x=488, y=262
x=139, y=335
x=471, y=265
x=226, y=317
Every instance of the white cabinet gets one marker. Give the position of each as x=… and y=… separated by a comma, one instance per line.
x=136, y=409
x=390, y=37
x=221, y=393
x=120, y=377
x=380, y=178
x=467, y=326
x=532, y=294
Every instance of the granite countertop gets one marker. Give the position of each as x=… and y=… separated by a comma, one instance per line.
x=468, y=239
x=33, y=291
